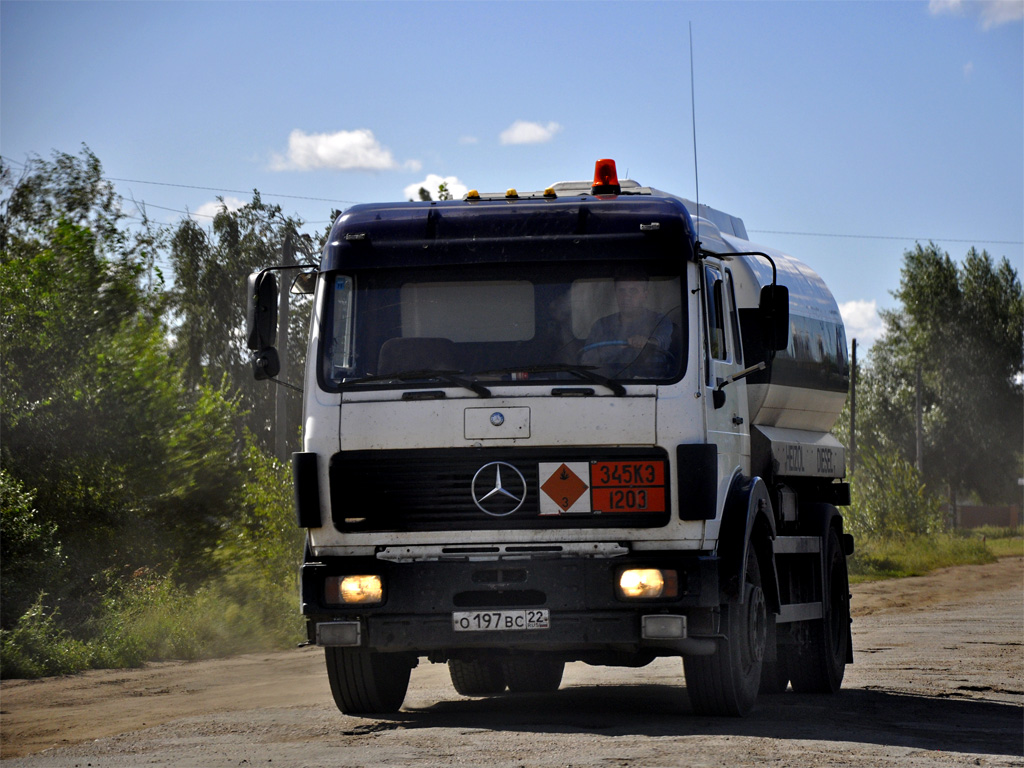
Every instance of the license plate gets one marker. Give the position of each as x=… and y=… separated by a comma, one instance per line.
x=500, y=621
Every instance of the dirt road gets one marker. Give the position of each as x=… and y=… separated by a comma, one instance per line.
x=938, y=681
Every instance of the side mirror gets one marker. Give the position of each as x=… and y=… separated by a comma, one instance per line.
x=261, y=324
x=266, y=364
x=261, y=310
x=774, y=309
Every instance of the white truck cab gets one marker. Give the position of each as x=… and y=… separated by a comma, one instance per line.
x=584, y=424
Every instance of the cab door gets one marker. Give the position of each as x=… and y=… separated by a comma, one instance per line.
x=726, y=410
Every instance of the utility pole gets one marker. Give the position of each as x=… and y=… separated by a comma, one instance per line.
x=919, y=428
x=853, y=407
x=281, y=426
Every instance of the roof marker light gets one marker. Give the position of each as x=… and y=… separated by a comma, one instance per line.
x=606, y=178
x=511, y=193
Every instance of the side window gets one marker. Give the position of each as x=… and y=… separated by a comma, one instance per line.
x=715, y=296
x=734, y=319
x=339, y=350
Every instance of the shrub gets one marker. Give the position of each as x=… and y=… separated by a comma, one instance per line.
x=29, y=549
x=38, y=646
x=889, y=500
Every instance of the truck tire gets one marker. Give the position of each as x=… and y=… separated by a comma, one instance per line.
x=533, y=674
x=727, y=682
x=364, y=682
x=477, y=677
x=819, y=664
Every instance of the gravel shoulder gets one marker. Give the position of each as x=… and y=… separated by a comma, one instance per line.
x=938, y=679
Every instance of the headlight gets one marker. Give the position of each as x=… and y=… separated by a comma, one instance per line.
x=648, y=583
x=353, y=590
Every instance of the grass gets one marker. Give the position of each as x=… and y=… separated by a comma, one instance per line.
x=1002, y=542
x=918, y=555
x=150, y=618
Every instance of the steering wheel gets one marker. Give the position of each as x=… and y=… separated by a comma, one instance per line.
x=604, y=344
x=651, y=360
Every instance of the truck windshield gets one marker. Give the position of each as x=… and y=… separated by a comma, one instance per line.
x=515, y=323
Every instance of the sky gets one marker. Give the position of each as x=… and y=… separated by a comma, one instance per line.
x=842, y=133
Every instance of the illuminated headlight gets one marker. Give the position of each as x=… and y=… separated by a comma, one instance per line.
x=353, y=590
x=648, y=583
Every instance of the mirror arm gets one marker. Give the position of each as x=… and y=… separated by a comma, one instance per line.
x=284, y=267
x=753, y=253
x=722, y=383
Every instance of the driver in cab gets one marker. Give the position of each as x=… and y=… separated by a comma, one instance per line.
x=636, y=340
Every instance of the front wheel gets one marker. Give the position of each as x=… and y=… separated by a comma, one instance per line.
x=364, y=682
x=727, y=682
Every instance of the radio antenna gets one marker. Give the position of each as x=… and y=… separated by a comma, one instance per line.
x=693, y=116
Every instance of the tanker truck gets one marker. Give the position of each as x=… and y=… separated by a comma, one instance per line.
x=589, y=423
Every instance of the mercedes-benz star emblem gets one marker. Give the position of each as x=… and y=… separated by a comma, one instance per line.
x=497, y=418
x=498, y=489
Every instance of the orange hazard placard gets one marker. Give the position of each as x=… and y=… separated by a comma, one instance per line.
x=628, y=486
x=564, y=489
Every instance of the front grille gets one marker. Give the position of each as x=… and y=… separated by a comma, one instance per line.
x=432, y=490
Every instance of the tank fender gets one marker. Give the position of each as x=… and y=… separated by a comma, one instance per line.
x=748, y=521
x=817, y=518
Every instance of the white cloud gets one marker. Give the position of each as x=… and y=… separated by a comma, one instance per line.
x=355, y=150
x=468, y=140
x=431, y=183
x=862, y=321
x=996, y=12
x=205, y=212
x=938, y=7
x=992, y=13
x=524, y=132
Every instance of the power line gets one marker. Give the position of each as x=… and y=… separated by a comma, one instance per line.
x=355, y=202
x=887, y=237
x=143, y=205
x=230, y=191
x=204, y=189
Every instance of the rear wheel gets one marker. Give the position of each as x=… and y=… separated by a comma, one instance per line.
x=477, y=677
x=820, y=662
x=727, y=682
x=364, y=682
x=774, y=675
x=533, y=674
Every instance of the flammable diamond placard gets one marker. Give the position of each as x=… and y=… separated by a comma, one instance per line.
x=565, y=488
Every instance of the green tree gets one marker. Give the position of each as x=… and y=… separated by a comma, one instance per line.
x=78, y=410
x=962, y=326
x=126, y=463
x=127, y=467
x=210, y=270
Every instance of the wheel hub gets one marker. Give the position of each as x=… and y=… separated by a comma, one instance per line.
x=757, y=623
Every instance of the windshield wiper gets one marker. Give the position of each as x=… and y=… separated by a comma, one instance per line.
x=449, y=377
x=585, y=372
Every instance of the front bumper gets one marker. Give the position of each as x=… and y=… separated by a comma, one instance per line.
x=586, y=614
